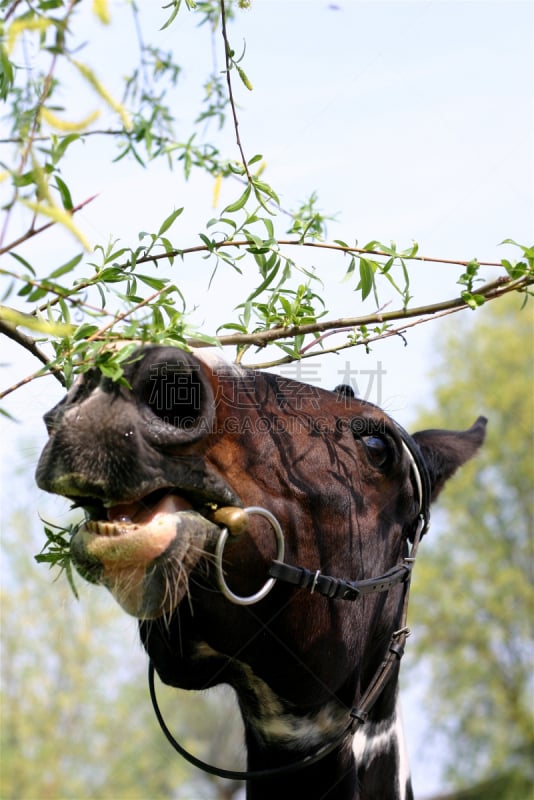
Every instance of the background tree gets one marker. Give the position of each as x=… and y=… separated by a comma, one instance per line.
x=472, y=608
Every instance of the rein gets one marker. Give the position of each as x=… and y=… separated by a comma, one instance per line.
x=333, y=588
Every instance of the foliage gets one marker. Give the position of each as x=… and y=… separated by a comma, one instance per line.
x=113, y=293
x=509, y=785
x=473, y=600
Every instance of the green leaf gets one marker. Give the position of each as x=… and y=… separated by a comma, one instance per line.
x=366, y=277
x=7, y=74
x=84, y=331
x=268, y=280
x=210, y=243
x=64, y=192
x=232, y=326
x=65, y=141
x=26, y=179
x=111, y=275
x=166, y=224
x=264, y=188
x=176, y=9
x=239, y=203
x=350, y=269
x=474, y=301
x=154, y=283
x=23, y=261
x=68, y=267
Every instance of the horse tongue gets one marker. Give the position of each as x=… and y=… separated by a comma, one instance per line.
x=139, y=511
x=123, y=512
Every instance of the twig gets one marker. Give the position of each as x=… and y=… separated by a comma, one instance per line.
x=47, y=83
x=98, y=334
x=10, y=11
x=326, y=335
x=28, y=379
x=28, y=344
x=228, y=63
x=369, y=339
x=34, y=231
x=202, y=248
x=490, y=291
x=46, y=137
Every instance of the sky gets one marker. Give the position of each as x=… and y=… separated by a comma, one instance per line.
x=413, y=121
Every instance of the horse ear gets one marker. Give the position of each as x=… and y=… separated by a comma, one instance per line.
x=445, y=451
x=344, y=390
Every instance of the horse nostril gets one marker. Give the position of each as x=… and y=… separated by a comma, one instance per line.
x=176, y=393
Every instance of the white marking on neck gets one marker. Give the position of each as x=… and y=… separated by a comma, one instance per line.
x=404, y=764
x=276, y=722
x=373, y=738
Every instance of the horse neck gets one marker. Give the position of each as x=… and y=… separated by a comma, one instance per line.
x=332, y=778
x=370, y=765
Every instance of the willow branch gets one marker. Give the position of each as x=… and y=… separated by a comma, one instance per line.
x=28, y=344
x=40, y=373
x=11, y=10
x=399, y=331
x=202, y=248
x=349, y=344
x=228, y=64
x=489, y=291
x=82, y=135
x=29, y=141
x=35, y=231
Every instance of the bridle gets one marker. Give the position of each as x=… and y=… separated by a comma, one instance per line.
x=333, y=588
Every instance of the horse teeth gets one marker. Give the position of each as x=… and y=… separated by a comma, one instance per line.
x=102, y=528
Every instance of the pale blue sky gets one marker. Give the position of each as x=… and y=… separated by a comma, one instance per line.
x=412, y=121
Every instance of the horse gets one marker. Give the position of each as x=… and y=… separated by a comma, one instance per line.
x=263, y=532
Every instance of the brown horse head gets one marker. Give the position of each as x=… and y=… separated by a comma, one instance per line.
x=171, y=458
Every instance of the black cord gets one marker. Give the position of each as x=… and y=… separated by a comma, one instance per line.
x=236, y=775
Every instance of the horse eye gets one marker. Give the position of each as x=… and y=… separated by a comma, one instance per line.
x=377, y=450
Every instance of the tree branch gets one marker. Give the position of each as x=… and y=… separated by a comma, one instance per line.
x=202, y=248
x=25, y=341
x=29, y=141
x=28, y=344
x=228, y=64
x=34, y=231
x=260, y=339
